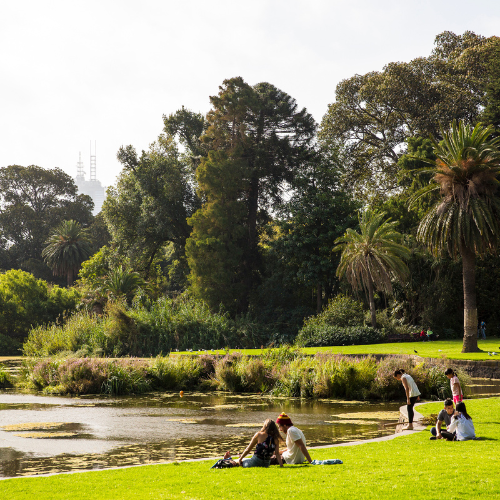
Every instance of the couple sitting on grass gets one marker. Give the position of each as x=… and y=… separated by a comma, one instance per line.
x=265, y=444
x=459, y=426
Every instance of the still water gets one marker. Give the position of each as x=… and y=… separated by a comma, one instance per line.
x=43, y=434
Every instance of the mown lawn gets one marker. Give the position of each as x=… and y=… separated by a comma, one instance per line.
x=437, y=349
x=407, y=467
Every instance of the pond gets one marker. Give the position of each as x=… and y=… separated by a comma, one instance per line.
x=45, y=434
x=42, y=434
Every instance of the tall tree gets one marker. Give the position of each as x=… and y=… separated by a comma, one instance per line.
x=264, y=133
x=372, y=257
x=33, y=202
x=66, y=248
x=151, y=203
x=318, y=212
x=374, y=113
x=466, y=221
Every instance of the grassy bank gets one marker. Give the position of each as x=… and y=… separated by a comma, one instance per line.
x=409, y=466
x=438, y=349
x=283, y=372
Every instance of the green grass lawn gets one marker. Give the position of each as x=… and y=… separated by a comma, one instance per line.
x=407, y=467
x=438, y=349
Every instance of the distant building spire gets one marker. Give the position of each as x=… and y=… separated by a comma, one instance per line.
x=92, y=187
x=93, y=162
x=80, y=174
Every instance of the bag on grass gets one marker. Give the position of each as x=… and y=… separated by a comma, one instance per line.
x=223, y=463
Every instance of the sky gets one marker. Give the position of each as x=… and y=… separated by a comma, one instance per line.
x=74, y=71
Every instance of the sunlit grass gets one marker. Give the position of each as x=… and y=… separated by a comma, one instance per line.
x=408, y=466
x=437, y=349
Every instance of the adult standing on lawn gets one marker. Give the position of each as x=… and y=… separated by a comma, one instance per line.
x=412, y=394
x=296, y=450
x=483, y=330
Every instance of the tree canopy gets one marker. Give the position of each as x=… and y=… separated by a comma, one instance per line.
x=33, y=201
x=373, y=114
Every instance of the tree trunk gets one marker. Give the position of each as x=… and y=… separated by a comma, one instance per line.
x=319, y=297
x=69, y=278
x=371, y=300
x=470, y=308
x=252, y=250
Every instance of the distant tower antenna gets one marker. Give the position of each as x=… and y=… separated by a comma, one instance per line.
x=93, y=162
x=80, y=174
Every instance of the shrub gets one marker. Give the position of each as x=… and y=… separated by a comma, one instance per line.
x=180, y=372
x=326, y=335
x=80, y=329
x=390, y=324
x=9, y=346
x=340, y=311
x=26, y=302
x=5, y=380
x=181, y=323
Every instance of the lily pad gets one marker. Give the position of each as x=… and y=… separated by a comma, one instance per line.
x=33, y=426
x=45, y=435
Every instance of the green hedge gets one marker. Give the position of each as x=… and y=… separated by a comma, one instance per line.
x=327, y=335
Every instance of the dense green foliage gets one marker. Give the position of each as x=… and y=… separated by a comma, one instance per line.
x=26, y=302
x=145, y=329
x=34, y=201
x=373, y=114
x=371, y=471
x=151, y=203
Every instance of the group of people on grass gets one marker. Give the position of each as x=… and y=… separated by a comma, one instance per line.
x=458, y=423
x=265, y=444
x=426, y=335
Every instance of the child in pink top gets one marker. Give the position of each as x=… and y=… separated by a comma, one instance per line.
x=456, y=388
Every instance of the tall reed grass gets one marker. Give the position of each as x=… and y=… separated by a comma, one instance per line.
x=285, y=372
x=143, y=330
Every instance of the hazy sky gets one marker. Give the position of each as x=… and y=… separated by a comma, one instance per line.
x=73, y=71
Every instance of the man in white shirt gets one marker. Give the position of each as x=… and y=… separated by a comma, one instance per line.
x=296, y=450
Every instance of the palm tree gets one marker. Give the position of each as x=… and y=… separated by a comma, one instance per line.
x=370, y=258
x=67, y=247
x=122, y=283
x=465, y=222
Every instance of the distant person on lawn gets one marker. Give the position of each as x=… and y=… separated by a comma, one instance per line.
x=412, y=394
x=296, y=450
x=444, y=417
x=456, y=388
